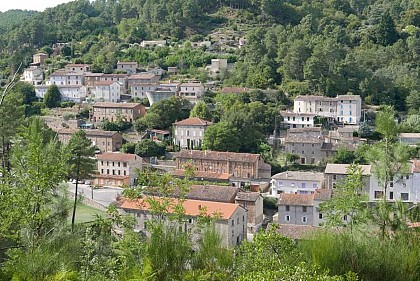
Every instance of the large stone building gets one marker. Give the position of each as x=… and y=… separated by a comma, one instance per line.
x=253, y=203
x=117, y=169
x=104, y=140
x=337, y=173
x=230, y=218
x=346, y=109
x=189, y=133
x=129, y=67
x=111, y=111
x=240, y=168
x=297, y=182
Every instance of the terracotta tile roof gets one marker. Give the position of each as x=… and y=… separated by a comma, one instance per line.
x=314, y=98
x=296, y=199
x=348, y=97
x=295, y=231
x=204, y=175
x=341, y=169
x=299, y=175
x=93, y=74
x=218, y=155
x=191, y=85
x=144, y=75
x=304, y=130
x=193, y=121
x=106, y=83
x=89, y=133
x=297, y=138
x=248, y=196
x=117, y=156
x=191, y=207
x=116, y=105
x=234, y=90
x=414, y=224
x=162, y=132
x=322, y=194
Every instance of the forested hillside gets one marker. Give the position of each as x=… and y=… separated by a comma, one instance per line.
x=369, y=47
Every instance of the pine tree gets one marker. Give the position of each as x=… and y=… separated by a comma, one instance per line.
x=386, y=33
x=52, y=97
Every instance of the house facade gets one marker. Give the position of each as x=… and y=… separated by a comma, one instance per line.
x=191, y=91
x=73, y=93
x=336, y=173
x=297, y=120
x=143, y=78
x=33, y=75
x=344, y=109
x=139, y=90
x=39, y=58
x=297, y=182
x=241, y=168
x=107, y=91
x=104, y=140
x=129, y=67
x=253, y=203
x=78, y=68
x=117, y=169
x=111, y=111
x=230, y=221
x=189, y=133
x=64, y=77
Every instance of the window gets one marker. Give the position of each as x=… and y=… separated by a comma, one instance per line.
x=404, y=196
x=334, y=177
x=320, y=216
x=237, y=220
x=190, y=220
x=378, y=194
x=345, y=217
x=303, y=184
x=304, y=209
x=391, y=184
x=243, y=218
x=315, y=185
x=304, y=220
x=287, y=208
x=233, y=222
x=292, y=184
x=407, y=177
x=279, y=183
x=391, y=195
x=287, y=218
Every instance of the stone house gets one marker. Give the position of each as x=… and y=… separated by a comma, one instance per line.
x=120, y=78
x=104, y=140
x=335, y=173
x=143, y=78
x=39, y=58
x=138, y=90
x=321, y=196
x=129, y=67
x=111, y=111
x=91, y=79
x=189, y=133
x=191, y=91
x=253, y=203
x=107, y=91
x=78, y=68
x=230, y=218
x=296, y=208
x=307, y=147
x=297, y=182
x=117, y=169
x=241, y=168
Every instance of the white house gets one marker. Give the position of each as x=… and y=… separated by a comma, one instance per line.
x=68, y=92
x=65, y=77
x=189, y=133
x=349, y=109
x=296, y=182
x=139, y=90
x=33, y=75
x=297, y=120
x=107, y=91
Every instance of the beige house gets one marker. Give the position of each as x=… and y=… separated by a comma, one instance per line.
x=78, y=68
x=253, y=203
x=191, y=91
x=231, y=219
x=239, y=168
x=139, y=89
x=39, y=58
x=104, y=140
x=117, y=169
x=127, y=66
x=144, y=77
x=113, y=110
x=189, y=133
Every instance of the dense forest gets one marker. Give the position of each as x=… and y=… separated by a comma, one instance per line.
x=369, y=47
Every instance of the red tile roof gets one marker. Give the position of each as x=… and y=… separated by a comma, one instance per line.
x=191, y=207
x=218, y=155
x=117, y=156
x=193, y=121
x=204, y=175
x=322, y=194
x=296, y=199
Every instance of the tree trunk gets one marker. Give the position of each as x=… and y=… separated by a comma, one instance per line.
x=75, y=193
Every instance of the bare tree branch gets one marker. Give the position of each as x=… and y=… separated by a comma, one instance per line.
x=10, y=85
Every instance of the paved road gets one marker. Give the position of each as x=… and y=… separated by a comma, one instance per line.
x=105, y=196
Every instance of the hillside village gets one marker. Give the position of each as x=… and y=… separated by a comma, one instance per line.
x=195, y=140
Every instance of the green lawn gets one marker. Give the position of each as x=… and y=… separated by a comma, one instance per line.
x=86, y=213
